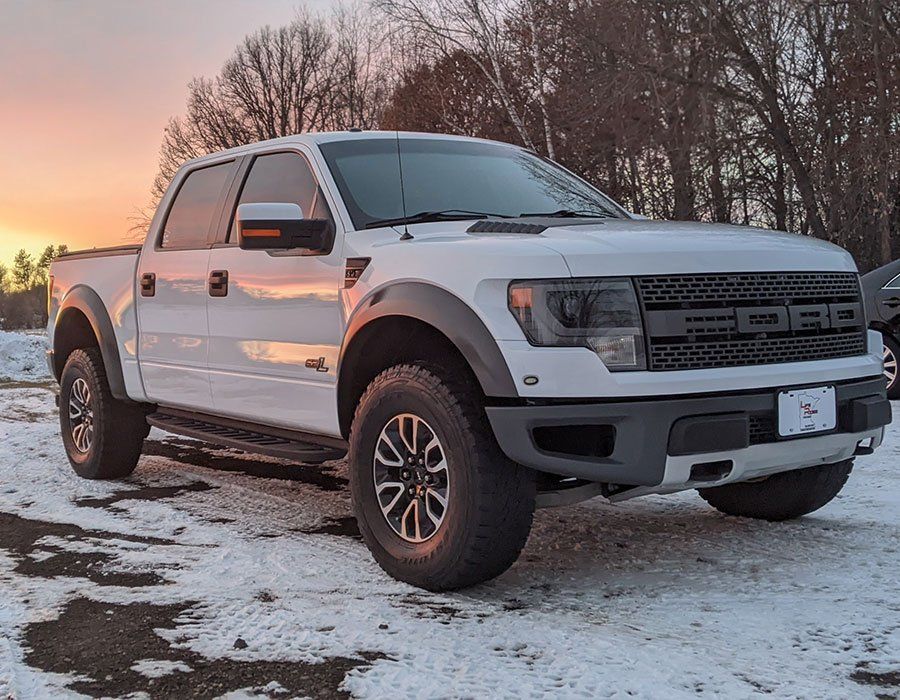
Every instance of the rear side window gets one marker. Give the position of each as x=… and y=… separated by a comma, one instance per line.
x=282, y=178
x=187, y=225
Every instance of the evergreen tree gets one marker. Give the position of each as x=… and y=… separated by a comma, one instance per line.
x=23, y=270
x=42, y=269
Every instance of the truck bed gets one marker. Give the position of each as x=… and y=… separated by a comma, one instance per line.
x=101, y=252
x=108, y=276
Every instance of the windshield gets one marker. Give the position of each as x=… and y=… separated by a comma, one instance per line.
x=448, y=175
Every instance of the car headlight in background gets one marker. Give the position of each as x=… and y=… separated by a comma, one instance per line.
x=597, y=313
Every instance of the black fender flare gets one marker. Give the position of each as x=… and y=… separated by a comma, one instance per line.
x=447, y=313
x=89, y=303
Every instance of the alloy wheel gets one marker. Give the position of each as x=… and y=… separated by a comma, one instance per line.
x=890, y=366
x=412, y=479
x=81, y=415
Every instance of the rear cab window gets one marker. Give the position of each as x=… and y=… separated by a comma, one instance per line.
x=188, y=222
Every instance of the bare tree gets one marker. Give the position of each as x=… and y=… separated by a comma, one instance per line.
x=316, y=73
x=474, y=28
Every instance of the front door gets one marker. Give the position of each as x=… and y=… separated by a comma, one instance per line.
x=887, y=303
x=172, y=293
x=275, y=330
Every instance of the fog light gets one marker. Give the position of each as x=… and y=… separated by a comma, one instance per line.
x=615, y=350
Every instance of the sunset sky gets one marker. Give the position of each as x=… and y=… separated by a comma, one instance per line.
x=86, y=88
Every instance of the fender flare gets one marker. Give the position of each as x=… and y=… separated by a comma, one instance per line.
x=447, y=313
x=88, y=302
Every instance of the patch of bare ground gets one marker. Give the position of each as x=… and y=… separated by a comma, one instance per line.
x=99, y=643
x=20, y=537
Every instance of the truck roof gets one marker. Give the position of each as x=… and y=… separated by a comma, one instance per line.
x=329, y=136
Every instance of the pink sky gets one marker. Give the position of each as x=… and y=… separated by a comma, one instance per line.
x=86, y=89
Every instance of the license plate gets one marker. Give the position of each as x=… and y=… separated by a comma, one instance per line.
x=802, y=411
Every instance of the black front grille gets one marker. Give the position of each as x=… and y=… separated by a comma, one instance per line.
x=745, y=319
x=762, y=428
x=748, y=287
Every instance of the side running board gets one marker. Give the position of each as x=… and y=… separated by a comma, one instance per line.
x=274, y=442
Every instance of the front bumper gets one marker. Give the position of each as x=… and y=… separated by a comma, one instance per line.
x=675, y=443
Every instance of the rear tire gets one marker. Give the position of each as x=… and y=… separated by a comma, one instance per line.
x=781, y=496
x=103, y=437
x=489, y=499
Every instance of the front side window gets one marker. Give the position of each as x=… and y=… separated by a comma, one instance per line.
x=444, y=175
x=282, y=178
x=893, y=284
x=187, y=225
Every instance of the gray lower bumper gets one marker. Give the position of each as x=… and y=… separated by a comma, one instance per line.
x=648, y=437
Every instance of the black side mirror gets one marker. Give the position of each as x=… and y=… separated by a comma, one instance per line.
x=280, y=226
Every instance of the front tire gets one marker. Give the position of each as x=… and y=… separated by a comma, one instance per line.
x=781, y=496
x=103, y=437
x=438, y=504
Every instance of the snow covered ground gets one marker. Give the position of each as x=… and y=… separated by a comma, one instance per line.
x=213, y=573
x=22, y=357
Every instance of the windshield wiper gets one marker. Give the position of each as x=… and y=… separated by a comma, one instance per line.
x=569, y=214
x=426, y=216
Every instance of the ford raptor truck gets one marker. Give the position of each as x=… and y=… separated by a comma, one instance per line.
x=478, y=331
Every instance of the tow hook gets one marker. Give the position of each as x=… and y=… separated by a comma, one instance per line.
x=863, y=450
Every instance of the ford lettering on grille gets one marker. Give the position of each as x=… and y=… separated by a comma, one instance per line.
x=704, y=321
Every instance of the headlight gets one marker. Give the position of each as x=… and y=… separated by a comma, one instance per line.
x=601, y=314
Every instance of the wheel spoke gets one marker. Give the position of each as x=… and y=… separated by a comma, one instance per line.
x=439, y=467
x=436, y=519
x=436, y=495
x=431, y=447
x=79, y=437
x=411, y=513
x=409, y=440
x=401, y=489
x=78, y=389
x=385, y=440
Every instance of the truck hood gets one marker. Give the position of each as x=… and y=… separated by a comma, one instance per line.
x=634, y=247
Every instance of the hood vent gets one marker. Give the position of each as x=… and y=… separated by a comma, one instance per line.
x=487, y=226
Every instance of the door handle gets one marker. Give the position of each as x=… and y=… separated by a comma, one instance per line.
x=218, y=283
x=148, y=284
x=891, y=302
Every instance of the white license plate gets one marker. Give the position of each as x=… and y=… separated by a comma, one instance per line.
x=806, y=411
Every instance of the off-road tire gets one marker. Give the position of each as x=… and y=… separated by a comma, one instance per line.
x=491, y=502
x=893, y=389
x=119, y=428
x=781, y=496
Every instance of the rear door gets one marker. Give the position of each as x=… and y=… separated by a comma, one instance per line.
x=275, y=333
x=172, y=291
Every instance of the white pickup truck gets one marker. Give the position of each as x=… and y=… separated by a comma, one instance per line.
x=478, y=330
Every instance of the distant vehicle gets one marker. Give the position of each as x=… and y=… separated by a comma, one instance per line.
x=881, y=289
x=479, y=330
